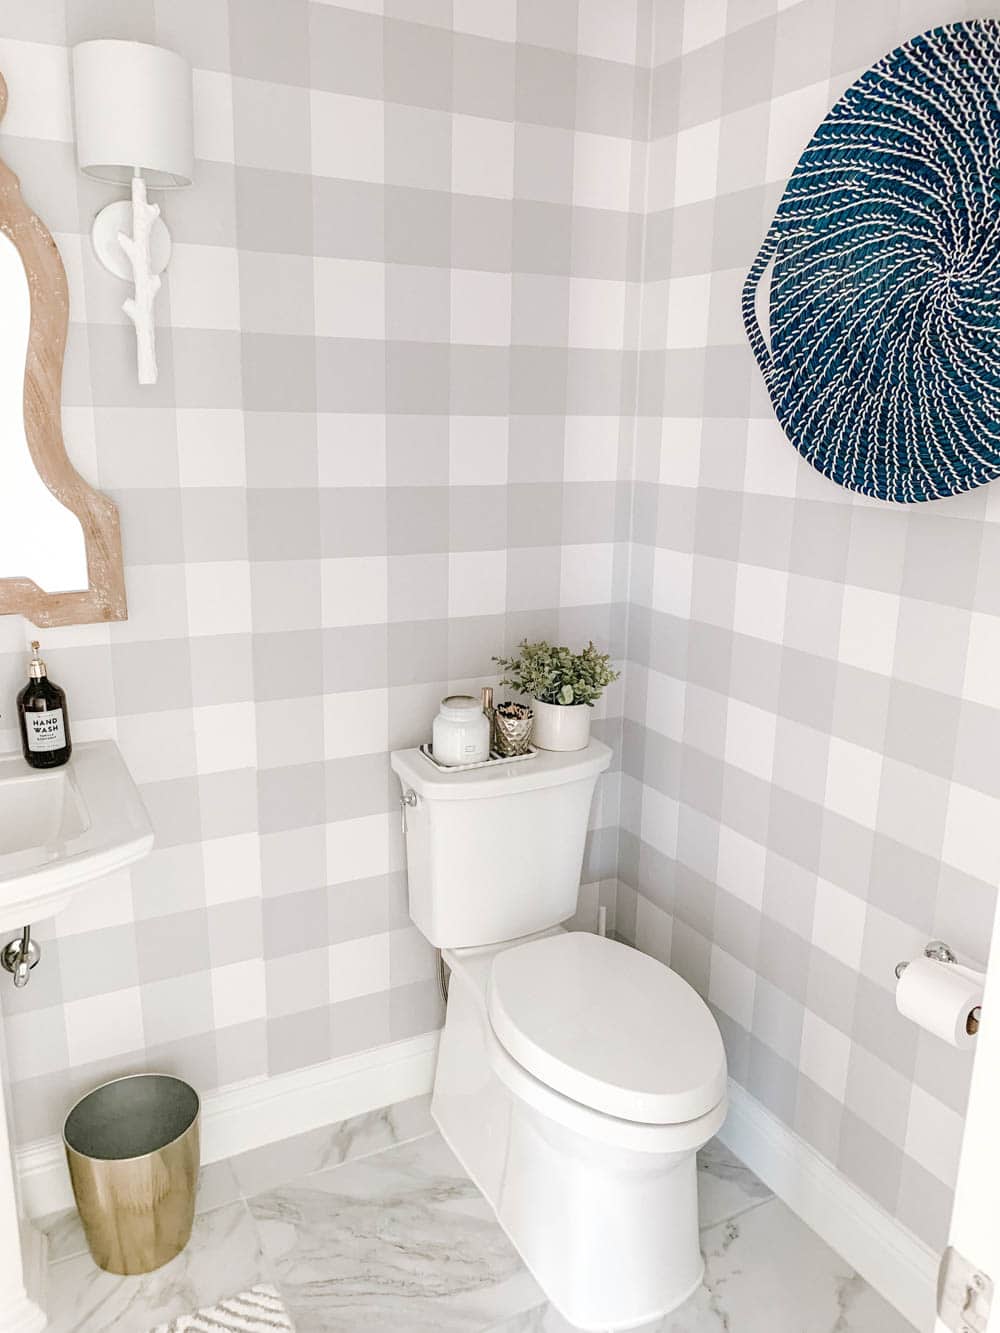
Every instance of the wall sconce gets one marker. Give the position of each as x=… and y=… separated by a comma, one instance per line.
x=134, y=124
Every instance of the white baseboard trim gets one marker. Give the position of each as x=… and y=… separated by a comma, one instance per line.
x=250, y=1115
x=886, y=1254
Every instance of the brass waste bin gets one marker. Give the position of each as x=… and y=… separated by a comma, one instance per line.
x=133, y=1151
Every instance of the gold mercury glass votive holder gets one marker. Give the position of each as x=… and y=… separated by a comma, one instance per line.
x=513, y=730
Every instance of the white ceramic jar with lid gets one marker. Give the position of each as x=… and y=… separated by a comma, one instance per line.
x=461, y=731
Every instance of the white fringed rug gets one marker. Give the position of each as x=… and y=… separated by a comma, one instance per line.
x=258, y=1310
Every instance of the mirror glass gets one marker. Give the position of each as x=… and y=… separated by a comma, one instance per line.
x=40, y=539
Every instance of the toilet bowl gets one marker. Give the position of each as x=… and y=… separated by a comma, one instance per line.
x=576, y=1077
x=553, y=1091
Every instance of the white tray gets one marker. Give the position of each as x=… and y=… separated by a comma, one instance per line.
x=493, y=760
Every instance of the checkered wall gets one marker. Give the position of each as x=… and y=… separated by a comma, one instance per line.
x=810, y=788
x=391, y=437
x=421, y=285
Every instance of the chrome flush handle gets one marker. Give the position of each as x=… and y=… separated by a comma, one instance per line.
x=408, y=798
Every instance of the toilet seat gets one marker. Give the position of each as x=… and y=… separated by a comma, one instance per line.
x=605, y=1132
x=607, y=1027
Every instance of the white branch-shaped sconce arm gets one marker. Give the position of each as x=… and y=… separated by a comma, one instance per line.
x=134, y=124
x=139, y=253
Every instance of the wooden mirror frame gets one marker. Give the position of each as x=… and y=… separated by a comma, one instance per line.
x=104, y=597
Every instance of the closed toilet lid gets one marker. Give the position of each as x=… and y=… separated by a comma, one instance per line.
x=609, y=1027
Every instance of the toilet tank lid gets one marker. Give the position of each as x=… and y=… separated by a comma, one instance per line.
x=548, y=768
x=609, y=1027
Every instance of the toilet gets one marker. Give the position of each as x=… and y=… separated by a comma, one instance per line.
x=576, y=1077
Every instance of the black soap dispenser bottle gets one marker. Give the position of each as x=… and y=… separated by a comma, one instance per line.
x=44, y=718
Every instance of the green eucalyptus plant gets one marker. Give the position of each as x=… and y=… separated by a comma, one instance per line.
x=557, y=675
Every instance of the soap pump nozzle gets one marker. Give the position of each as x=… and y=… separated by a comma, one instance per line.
x=36, y=667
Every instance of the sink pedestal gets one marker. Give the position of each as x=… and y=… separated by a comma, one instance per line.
x=23, y=1248
x=60, y=829
x=27, y=1315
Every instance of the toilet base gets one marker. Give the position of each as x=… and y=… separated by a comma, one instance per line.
x=609, y=1232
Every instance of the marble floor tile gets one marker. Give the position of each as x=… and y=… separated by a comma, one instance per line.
x=398, y=1242
x=223, y=1257
x=217, y=1185
x=64, y=1234
x=396, y=1239
x=726, y=1187
x=319, y=1149
x=765, y=1272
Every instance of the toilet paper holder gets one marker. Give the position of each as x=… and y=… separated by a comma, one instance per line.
x=941, y=953
x=938, y=950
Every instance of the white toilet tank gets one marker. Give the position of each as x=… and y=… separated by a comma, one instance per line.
x=495, y=853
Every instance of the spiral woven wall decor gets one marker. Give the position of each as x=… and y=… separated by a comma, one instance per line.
x=883, y=355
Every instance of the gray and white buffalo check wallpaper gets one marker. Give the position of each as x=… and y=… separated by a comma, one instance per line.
x=384, y=446
x=451, y=353
x=813, y=684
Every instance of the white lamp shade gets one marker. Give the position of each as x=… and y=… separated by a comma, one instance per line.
x=133, y=112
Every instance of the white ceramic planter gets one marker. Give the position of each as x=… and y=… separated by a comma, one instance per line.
x=558, y=727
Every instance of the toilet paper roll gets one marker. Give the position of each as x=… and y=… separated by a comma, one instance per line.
x=940, y=997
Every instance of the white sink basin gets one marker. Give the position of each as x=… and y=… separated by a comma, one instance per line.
x=63, y=827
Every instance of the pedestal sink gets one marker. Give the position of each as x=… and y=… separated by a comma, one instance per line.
x=60, y=829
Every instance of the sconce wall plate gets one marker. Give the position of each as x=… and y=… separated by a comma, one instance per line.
x=116, y=220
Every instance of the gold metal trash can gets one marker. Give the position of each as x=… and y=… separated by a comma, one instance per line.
x=133, y=1151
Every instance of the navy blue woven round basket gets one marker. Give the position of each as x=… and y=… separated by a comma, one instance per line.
x=883, y=355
